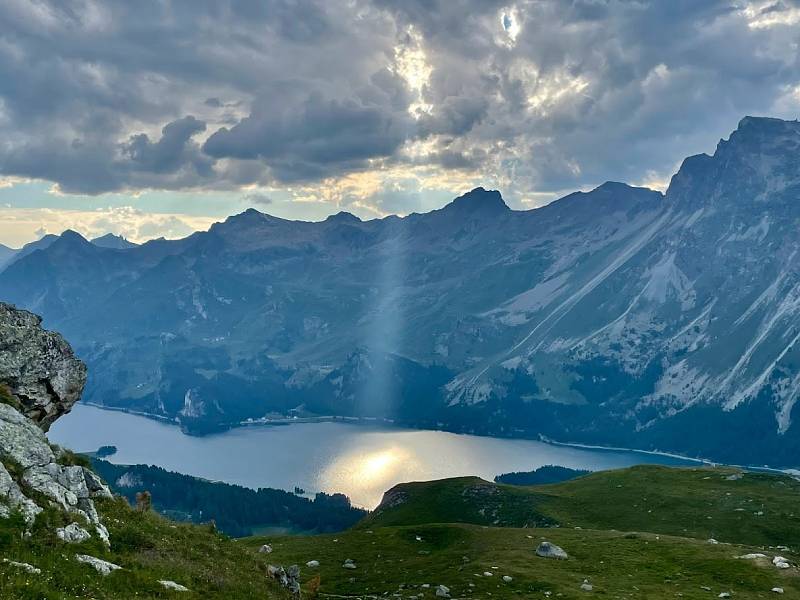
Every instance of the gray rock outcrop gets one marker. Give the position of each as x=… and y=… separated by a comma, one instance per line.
x=37, y=367
x=73, y=534
x=548, y=550
x=171, y=585
x=40, y=379
x=71, y=487
x=288, y=578
x=101, y=566
x=27, y=567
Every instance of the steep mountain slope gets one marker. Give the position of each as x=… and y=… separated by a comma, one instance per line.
x=40, y=244
x=618, y=316
x=6, y=254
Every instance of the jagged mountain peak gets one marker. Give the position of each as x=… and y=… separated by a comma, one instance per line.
x=113, y=241
x=478, y=201
x=757, y=136
x=245, y=220
x=71, y=240
x=343, y=217
x=756, y=164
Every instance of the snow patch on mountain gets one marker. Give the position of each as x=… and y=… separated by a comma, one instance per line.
x=667, y=282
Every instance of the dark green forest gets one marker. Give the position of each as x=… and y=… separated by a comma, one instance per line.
x=542, y=475
x=237, y=511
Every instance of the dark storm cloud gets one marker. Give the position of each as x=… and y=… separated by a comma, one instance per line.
x=531, y=96
x=315, y=139
x=173, y=151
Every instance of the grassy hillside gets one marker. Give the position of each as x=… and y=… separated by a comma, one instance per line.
x=147, y=546
x=721, y=503
x=617, y=565
x=634, y=533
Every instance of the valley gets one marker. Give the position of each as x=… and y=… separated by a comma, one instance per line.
x=619, y=317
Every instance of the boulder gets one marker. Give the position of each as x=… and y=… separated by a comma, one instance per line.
x=40, y=380
x=70, y=487
x=548, y=550
x=73, y=534
x=171, y=585
x=265, y=549
x=96, y=487
x=442, y=591
x=101, y=566
x=287, y=578
x=37, y=367
x=780, y=562
x=24, y=566
x=312, y=564
x=349, y=564
x=12, y=498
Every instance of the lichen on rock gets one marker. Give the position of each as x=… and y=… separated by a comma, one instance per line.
x=38, y=367
x=41, y=380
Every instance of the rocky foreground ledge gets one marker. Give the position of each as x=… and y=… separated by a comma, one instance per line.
x=40, y=380
x=38, y=368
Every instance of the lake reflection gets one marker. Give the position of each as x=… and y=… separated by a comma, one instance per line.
x=361, y=461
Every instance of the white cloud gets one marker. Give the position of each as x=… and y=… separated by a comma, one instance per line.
x=764, y=15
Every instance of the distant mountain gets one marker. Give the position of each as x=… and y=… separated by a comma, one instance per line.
x=619, y=316
x=6, y=254
x=40, y=244
x=116, y=242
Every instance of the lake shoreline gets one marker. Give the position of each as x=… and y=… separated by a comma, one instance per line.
x=267, y=422
x=363, y=421
x=356, y=457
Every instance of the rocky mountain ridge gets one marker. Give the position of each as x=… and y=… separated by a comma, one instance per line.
x=619, y=316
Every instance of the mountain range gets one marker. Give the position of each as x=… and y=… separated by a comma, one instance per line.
x=620, y=316
x=9, y=255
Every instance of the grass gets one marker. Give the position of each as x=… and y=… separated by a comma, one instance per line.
x=704, y=502
x=391, y=560
x=758, y=508
x=6, y=397
x=461, y=500
x=634, y=533
x=147, y=546
x=68, y=458
x=641, y=532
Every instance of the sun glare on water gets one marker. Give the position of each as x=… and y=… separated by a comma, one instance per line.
x=366, y=475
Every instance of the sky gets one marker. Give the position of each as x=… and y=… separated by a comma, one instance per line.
x=157, y=118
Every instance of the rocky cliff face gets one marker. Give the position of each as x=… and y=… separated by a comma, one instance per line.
x=41, y=379
x=38, y=367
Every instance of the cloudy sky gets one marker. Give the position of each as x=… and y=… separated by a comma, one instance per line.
x=155, y=118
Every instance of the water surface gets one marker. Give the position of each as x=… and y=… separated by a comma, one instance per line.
x=359, y=460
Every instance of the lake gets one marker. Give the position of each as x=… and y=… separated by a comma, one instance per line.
x=359, y=460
